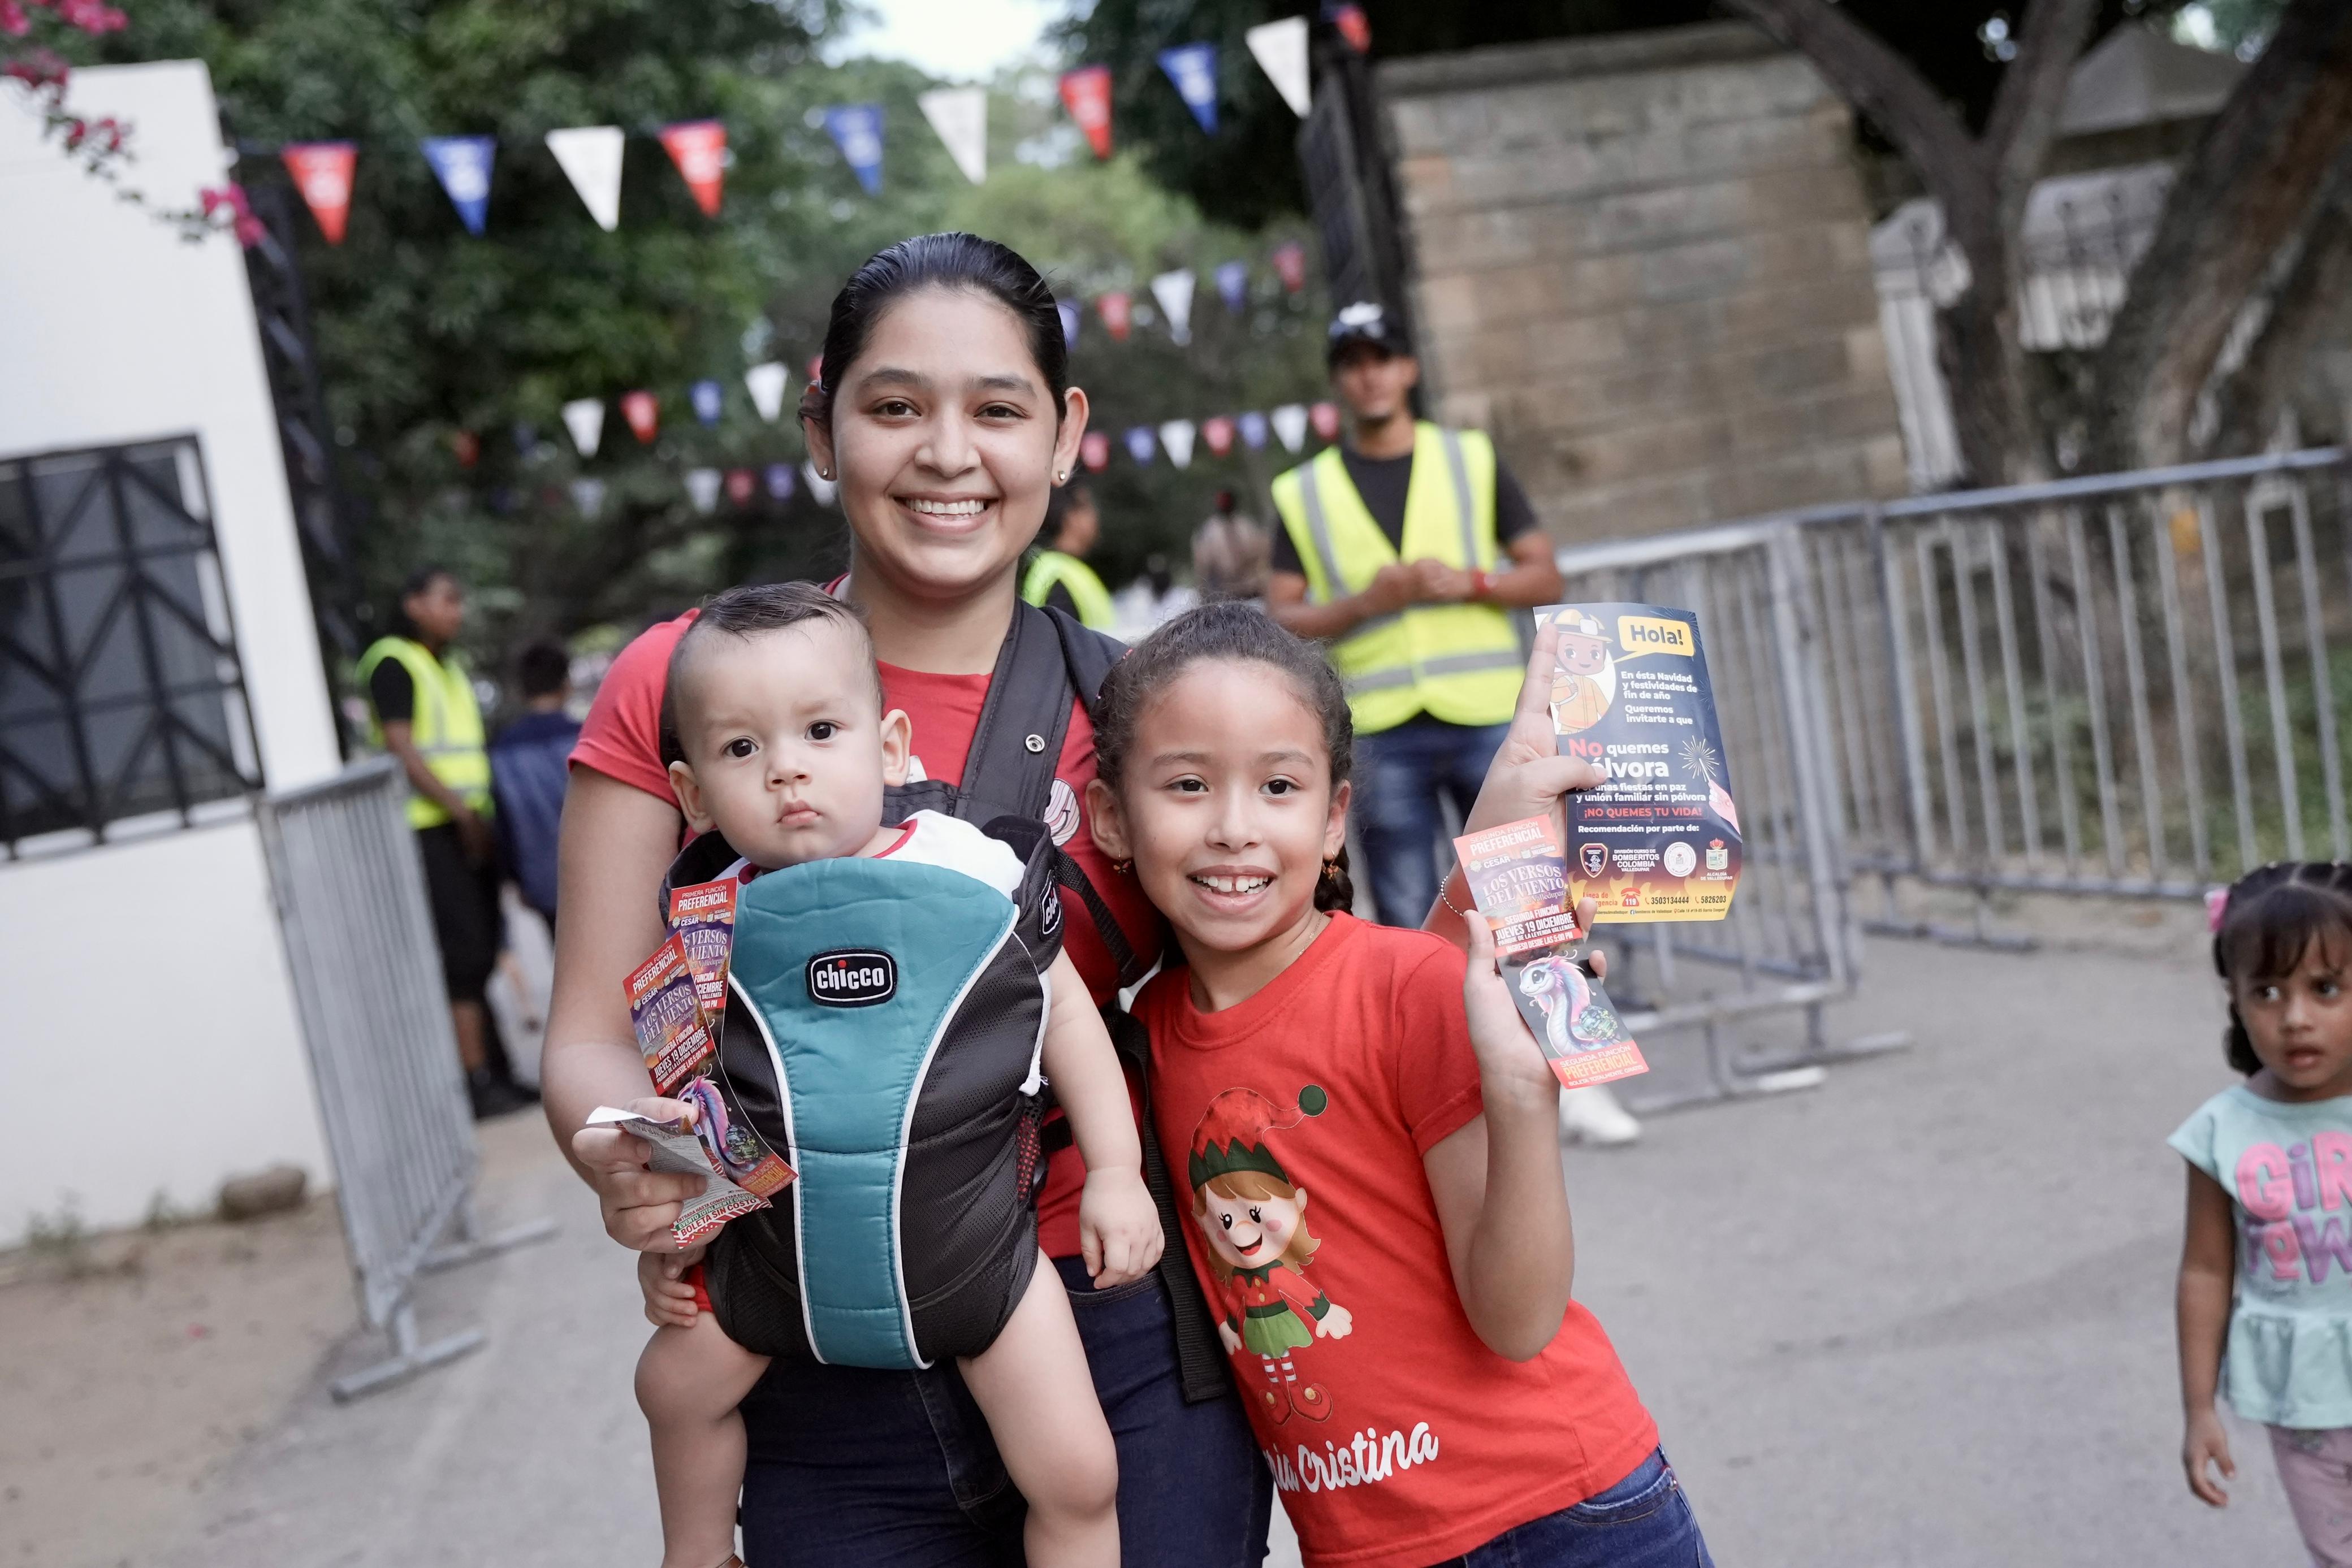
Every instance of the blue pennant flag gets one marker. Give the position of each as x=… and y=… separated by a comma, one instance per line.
x=1232, y=283
x=706, y=398
x=1139, y=443
x=1253, y=427
x=857, y=129
x=780, y=481
x=462, y=163
x=1071, y=317
x=1194, y=68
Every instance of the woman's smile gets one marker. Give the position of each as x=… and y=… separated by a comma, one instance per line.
x=951, y=515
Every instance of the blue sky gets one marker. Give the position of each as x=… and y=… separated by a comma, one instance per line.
x=961, y=40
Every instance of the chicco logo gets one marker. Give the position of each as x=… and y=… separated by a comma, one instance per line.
x=851, y=978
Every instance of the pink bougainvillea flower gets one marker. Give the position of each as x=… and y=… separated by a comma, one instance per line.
x=14, y=21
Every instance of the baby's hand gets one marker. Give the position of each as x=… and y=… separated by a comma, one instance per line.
x=1119, y=1228
x=670, y=1298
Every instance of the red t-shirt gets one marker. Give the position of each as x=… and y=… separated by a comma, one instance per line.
x=622, y=739
x=1396, y=1436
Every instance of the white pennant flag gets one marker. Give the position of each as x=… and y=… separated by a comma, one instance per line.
x=1176, y=437
x=1280, y=49
x=702, y=487
x=590, y=155
x=768, y=384
x=820, y=489
x=1290, y=424
x=584, y=418
x=1174, y=292
x=960, y=114
x=588, y=495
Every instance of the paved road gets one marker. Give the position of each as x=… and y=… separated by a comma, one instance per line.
x=1918, y=1316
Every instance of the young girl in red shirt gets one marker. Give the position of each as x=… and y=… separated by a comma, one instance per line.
x=1370, y=1137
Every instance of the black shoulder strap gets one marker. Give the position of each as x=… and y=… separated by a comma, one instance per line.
x=1087, y=654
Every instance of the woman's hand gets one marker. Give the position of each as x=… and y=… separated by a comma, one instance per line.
x=669, y=1300
x=639, y=1205
x=2206, y=1444
x=1119, y=1228
x=1529, y=776
x=1510, y=1061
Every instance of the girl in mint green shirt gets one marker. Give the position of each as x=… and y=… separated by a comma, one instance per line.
x=2265, y=1293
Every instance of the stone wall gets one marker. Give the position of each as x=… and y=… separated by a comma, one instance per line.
x=1642, y=262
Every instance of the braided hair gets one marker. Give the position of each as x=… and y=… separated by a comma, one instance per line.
x=1229, y=631
x=2272, y=918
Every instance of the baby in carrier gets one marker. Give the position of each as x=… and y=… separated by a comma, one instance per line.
x=782, y=748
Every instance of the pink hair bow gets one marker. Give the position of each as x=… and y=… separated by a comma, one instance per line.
x=2217, y=904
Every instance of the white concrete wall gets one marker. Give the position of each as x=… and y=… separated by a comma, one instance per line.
x=148, y=1036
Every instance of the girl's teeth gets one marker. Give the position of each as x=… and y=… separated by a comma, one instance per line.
x=1233, y=883
x=949, y=508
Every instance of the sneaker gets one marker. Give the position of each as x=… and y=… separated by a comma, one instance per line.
x=491, y=1097
x=1592, y=1115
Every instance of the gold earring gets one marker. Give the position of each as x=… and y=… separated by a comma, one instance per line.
x=1331, y=867
x=1122, y=867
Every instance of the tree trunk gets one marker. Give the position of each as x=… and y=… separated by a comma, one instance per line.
x=2244, y=193
x=2314, y=287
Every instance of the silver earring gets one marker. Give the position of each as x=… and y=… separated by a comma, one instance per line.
x=1061, y=475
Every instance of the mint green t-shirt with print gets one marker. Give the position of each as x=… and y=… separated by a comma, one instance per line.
x=2288, y=1171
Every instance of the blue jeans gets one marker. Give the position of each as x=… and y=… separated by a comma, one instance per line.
x=1642, y=1522
x=850, y=1467
x=1400, y=773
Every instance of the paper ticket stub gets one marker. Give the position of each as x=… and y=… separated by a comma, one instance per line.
x=1518, y=878
x=668, y=1018
x=1659, y=840
x=1573, y=1020
x=677, y=1151
x=702, y=915
x=739, y=1153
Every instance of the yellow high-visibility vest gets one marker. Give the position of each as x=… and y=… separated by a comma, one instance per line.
x=1087, y=590
x=447, y=727
x=1458, y=663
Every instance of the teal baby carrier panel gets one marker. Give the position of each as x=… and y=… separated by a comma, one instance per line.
x=850, y=1070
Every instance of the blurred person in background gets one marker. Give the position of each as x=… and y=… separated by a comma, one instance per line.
x=1405, y=548
x=530, y=765
x=421, y=710
x=1231, y=553
x=1059, y=576
x=1151, y=601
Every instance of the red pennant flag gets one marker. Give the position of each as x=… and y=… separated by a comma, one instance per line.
x=739, y=484
x=1218, y=432
x=1325, y=417
x=643, y=414
x=467, y=445
x=1290, y=265
x=1117, y=313
x=1085, y=93
x=322, y=172
x=698, y=147
x=1094, y=450
x=1353, y=26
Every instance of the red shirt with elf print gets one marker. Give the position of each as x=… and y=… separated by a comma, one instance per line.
x=1297, y=1121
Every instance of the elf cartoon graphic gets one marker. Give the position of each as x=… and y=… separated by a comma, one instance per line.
x=1259, y=1246
x=1583, y=679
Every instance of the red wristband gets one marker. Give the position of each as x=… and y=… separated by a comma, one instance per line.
x=1479, y=582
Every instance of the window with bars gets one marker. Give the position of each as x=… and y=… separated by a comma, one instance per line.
x=122, y=703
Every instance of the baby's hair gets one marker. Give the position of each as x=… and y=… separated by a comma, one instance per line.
x=2272, y=916
x=745, y=612
x=1233, y=633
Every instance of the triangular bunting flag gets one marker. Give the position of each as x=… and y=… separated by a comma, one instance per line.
x=1174, y=292
x=1217, y=434
x=768, y=383
x=1280, y=50
x=1253, y=428
x=1325, y=417
x=1140, y=443
x=322, y=172
x=588, y=495
x=1085, y=93
x=1194, y=68
x=467, y=445
x=1290, y=265
x=857, y=129
x=1094, y=450
x=1176, y=435
x=1232, y=283
x=1072, y=317
x=462, y=163
x=1290, y=424
x=741, y=483
x=698, y=147
x=643, y=414
x=1117, y=313
x=780, y=483
x=821, y=489
x=960, y=115
x=584, y=418
x=702, y=487
x=708, y=400
x=1353, y=26
x=590, y=155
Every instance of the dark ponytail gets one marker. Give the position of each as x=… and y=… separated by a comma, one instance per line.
x=956, y=261
x=2270, y=919
x=1237, y=633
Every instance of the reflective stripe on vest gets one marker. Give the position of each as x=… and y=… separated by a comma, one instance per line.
x=445, y=726
x=1088, y=594
x=1458, y=663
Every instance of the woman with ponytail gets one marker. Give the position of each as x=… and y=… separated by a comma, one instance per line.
x=2264, y=1299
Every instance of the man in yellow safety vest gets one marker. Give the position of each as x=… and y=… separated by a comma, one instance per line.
x=1059, y=578
x=421, y=703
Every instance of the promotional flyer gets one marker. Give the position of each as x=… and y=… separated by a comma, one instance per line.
x=677, y=1151
x=1660, y=839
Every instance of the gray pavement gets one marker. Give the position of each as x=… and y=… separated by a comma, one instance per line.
x=1920, y=1315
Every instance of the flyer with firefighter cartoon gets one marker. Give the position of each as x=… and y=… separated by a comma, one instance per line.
x=1660, y=839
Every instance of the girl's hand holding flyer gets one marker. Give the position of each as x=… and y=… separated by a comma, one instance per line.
x=1519, y=878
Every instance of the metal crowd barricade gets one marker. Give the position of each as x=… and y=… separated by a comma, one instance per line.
x=1788, y=943
x=367, y=977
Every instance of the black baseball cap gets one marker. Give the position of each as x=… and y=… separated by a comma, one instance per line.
x=1363, y=323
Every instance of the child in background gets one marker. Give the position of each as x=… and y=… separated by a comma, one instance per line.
x=1372, y=1146
x=2265, y=1288
x=776, y=710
